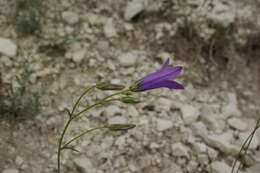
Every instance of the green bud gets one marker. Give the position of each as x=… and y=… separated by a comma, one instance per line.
x=129, y=100
x=116, y=127
x=109, y=86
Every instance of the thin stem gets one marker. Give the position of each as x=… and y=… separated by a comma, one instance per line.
x=102, y=101
x=82, y=134
x=81, y=96
x=67, y=124
x=60, y=142
x=245, y=146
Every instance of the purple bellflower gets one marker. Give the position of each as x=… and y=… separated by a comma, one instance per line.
x=162, y=78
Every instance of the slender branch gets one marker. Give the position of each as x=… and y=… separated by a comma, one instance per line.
x=100, y=102
x=82, y=134
x=245, y=146
x=81, y=96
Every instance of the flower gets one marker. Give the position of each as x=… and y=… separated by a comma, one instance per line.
x=162, y=78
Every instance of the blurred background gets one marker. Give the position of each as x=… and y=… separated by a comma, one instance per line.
x=51, y=50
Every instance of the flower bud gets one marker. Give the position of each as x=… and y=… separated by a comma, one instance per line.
x=116, y=127
x=129, y=100
x=109, y=86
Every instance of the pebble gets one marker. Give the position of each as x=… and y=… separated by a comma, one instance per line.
x=83, y=164
x=220, y=167
x=128, y=59
x=112, y=110
x=179, y=149
x=133, y=8
x=237, y=124
x=8, y=47
x=190, y=114
x=163, y=125
x=117, y=120
x=109, y=28
x=10, y=170
x=70, y=17
x=231, y=108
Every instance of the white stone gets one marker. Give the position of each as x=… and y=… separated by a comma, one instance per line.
x=231, y=108
x=112, y=110
x=165, y=103
x=84, y=164
x=8, y=47
x=254, y=143
x=132, y=111
x=133, y=8
x=109, y=28
x=220, y=167
x=163, y=125
x=10, y=170
x=117, y=120
x=199, y=147
x=179, y=149
x=190, y=114
x=128, y=59
x=222, y=14
x=237, y=124
x=70, y=17
x=222, y=142
x=78, y=55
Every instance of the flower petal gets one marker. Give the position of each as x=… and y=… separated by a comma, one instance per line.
x=164, y=84
x=167, y=74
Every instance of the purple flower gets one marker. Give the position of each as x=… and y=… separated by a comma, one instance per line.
x=162, y=78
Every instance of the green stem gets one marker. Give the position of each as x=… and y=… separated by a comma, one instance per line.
x=60, y=142
x=82, y=134
x=77, y=102
x=102, y=101
x=67, y=124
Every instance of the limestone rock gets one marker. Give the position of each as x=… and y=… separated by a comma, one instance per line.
x=163, y=125
x=7, y=47
x=220, y=167
x=133, y=8
x=10, y=170
x=128, y=59
x=179, y=149
x=70, y=17
x=190, y=114
x=83, y=164
x=109, y=29
x=237, y=124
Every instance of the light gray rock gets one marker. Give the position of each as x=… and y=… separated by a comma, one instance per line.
x=179, y=149
x=133, y=8
x=83, y=164
x=112, y=110
x=10, y=170
x=190, y=114
x=222, y=142
x=117, y=120
x=222, y=13
x=165, y=104
x=163, y=125
x=8, y=47
x=254, y=169
x=128, y=59
x=70, y=17
x=78, y=55
x=237, y=124
x=220, y=167
x=109, y=28
x=231, y=108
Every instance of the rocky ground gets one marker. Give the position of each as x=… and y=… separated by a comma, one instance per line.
x=199, y=129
